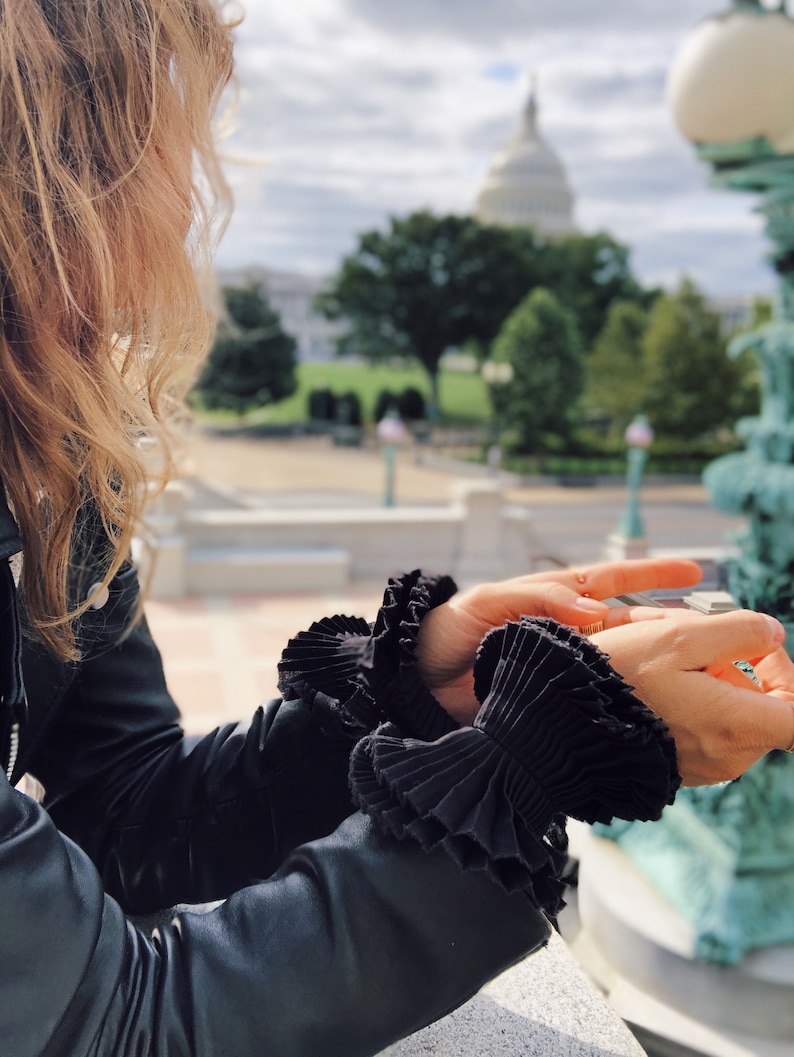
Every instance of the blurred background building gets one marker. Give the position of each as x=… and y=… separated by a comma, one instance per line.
x=526, y=184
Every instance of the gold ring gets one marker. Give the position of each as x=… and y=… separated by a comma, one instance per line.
x=592, y=629
x=581, y=578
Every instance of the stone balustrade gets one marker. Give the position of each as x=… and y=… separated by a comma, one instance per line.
x=203, y=545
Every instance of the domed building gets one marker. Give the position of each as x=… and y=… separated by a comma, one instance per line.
x=526, y=185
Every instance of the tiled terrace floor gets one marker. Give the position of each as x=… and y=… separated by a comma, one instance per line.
x=220, y=652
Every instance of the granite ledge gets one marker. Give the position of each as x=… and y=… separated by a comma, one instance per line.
x=543, y=1007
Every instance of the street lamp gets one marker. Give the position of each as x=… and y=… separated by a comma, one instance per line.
x=732, y=92
x=638, y=437
x=391, y=431
x=628, y=540
x=497, y=372
x=718, y=854
x=497, y=375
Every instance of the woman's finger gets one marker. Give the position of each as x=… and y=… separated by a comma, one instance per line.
x=513, y=599
x=736, y=676
x=775, y=672
x=617, y=616
x=696, y=642
x=734, y=636
x=608, y=579
x=573, y=596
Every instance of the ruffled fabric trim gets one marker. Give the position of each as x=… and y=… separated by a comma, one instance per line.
x=558, y=733
x=321, y=667
x=358, y=676
x=328, y=655
x=390, y=672
x=552, y=700
x=450, y=795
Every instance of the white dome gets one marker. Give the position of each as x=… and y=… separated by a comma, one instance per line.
x=526, y=185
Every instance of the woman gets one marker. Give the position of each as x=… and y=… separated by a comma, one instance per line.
x=405, y=799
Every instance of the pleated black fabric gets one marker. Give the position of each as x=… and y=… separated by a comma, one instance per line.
x=559, y=733
x=357, y=676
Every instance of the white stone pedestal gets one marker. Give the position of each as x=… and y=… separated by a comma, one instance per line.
x=620, y=548
x=639, y=951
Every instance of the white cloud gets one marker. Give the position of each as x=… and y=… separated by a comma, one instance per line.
x=362, y=109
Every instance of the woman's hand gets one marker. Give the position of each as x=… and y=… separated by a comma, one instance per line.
x=449, y=635
x=682, y=667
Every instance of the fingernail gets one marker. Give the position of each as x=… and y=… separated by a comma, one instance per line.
x=778, y=631
x=591, y=605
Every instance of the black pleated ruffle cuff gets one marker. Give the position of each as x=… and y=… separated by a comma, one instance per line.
x=559, y=733
x=356, y=676
x=390, y=672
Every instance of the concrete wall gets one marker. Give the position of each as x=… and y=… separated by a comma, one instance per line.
x=203, y=548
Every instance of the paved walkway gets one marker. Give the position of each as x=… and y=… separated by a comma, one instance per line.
x=221, y=652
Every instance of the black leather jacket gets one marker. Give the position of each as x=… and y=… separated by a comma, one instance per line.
x=383, y=907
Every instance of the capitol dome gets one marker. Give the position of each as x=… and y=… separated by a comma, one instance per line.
x=526, y=185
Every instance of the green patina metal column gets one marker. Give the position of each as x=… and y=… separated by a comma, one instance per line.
x=639, y=436
x=724, y=856
x=759, y=482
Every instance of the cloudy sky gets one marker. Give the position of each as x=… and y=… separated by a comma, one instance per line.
x=354, y=110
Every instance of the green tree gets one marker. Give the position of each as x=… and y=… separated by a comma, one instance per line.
x=589, y=274
x=692, y=384
x=429, y=284
x=542, y=344
x=252, y=362
x=616, y=383
x=762, y=312
x=746, y=397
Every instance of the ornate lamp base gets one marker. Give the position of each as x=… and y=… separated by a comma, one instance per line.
x=723, y=856
x=640, y=950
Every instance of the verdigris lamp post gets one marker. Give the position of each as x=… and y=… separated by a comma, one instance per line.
x=724, y=856
x=629, y=539
x=732, y=93
x=497, y=375
x=391, y=432
x=639, y=437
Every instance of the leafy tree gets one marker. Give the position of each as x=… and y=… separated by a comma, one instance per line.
x=252, y=362
x=541, y=342
x=746, y=396
x=589, y=274
x=616, y=383
x=693, y=387
x=428, y=284
x=763, y=312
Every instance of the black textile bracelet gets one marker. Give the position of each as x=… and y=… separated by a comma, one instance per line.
x=359, y=676
x=559, y=733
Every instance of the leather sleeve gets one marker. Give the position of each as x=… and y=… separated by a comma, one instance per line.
x=168, y=819
x=359, y=940
x=173, y=820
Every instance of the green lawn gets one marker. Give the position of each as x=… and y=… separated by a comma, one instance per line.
x=464, y=400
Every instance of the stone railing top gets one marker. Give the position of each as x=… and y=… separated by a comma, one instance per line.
x=542, y=1007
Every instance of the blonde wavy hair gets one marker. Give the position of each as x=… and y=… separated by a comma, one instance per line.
x=109, y=183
